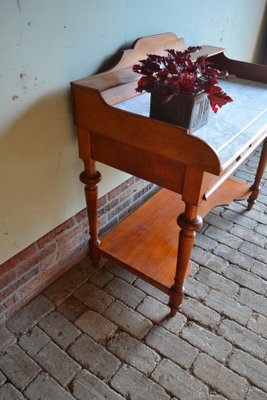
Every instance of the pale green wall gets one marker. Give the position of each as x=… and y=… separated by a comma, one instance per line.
x=46, y=44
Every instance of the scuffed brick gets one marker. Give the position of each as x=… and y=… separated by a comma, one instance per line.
x=229, y=307
x=262, y=229
x=2, y=379
x=18, y=367
x=30, y=315
x=247, y=279
x=196, y=289
x=152, y=291
x=94, y=357
x=6, y=339
x=256, y=394
x=171, y=346
x=221, y=236
x=125, y=292
x=93, y=297
x=61, y=330
x=255, y=301
x=154, y=310
x=128, y=319
x=207, y=341
x=102, y=277
x=234, y=256
x=87, y=386
x=132, y=385
x=44, y=388
x=179, y=382
x=243, y=338
x=254, y=251
x=71, y=308
x=248, y=235
x=57, y=363
x=258, y=324
x=174, y=324
x=219, y=222
x=260, y=269
x=65, y=286
x=95, y=325
x=9, y=392
x=239, y=219
x=209, y=260
x=121, y=273
x=221, y=378
x=249, y=367
x=200, y=313
x=133, y=352
x=32, y=342
x=217, y=281
x=205, y=242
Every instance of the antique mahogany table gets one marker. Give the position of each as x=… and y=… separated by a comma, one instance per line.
x=192, y=170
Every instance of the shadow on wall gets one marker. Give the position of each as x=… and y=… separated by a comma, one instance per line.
x=39, y=168
x=261, y=49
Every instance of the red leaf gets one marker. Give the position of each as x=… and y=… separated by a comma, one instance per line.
x=179, y=74
x=218, y=98
x=146, y=83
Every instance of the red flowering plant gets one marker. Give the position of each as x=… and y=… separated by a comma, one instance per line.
x=176, y=73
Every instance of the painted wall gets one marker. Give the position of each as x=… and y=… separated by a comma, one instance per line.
x=46, y=44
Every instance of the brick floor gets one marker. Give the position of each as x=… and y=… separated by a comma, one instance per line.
x=103, y=334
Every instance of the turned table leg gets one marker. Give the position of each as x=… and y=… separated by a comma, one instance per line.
x=190, y=222
x=260, y=171
x=91, y=177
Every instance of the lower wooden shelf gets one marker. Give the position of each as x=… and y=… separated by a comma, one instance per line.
x=146, y=243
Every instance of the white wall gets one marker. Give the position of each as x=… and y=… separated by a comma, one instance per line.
x=46, y=44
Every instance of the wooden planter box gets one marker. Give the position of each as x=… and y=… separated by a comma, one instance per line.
x=187, y=111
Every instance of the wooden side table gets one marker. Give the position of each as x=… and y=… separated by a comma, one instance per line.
x=193, y=170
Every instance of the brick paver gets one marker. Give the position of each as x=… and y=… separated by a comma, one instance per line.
x=207, y=341
x=6, y=338
x=33, y=341
x=228, y=306
x=94, y=357
x=19, y=368
x=88, y=386
x=179, y=382
x=171, y=346
x=133, y=385
x=30, y=315
x=45, y=388
x=128, y=319
x=133, y=352
x=106, y=334
x=221, y=378
x=9, y=392
x=95, y=325
x=59, y=328
x=59, y=365
x=249, y=367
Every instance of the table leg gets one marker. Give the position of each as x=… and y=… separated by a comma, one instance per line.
x=91, y=177
x=260, y=171
x=190, y=222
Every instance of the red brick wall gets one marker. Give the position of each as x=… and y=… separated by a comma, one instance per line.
x=27, y=273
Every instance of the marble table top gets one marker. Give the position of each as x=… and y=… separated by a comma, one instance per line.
x=233, y=126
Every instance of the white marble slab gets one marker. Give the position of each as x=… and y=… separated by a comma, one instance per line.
x=233, y=126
